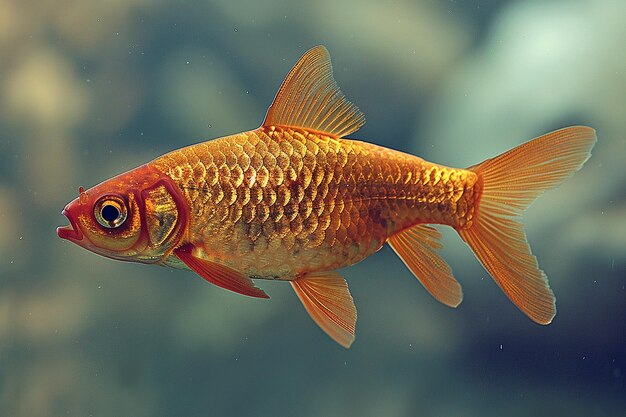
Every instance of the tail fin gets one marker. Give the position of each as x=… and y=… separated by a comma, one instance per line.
x=511, y=182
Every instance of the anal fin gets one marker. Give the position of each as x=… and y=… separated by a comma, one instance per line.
x=417, y=248
x=218, y=274
x=326, y=298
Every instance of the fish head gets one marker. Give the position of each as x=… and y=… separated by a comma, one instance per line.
x=137, y=216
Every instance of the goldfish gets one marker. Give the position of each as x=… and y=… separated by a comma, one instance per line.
x=295, y=199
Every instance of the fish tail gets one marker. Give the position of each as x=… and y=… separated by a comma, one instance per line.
x=510, y=183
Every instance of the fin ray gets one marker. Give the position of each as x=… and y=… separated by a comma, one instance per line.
x=326, y=298
x=511, y=182
x=417, y=248
x=309, y=98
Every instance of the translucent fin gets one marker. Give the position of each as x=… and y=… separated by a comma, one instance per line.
x=511, y=182
x=326, y=298
x=309, y=98
x=417, y=248
x=218, y=274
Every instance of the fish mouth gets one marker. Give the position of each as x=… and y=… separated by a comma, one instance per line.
x=70, y=232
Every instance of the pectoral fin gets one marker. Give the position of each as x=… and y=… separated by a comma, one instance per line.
x=326, y=298
x=417, y=248
x=218, y=274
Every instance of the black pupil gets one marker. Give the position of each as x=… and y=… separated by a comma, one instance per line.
x=110, y=213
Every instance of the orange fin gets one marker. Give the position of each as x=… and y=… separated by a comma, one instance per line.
x=417, y=248
x=309, y=98
x=218, y=274
x=326, y=298
x=511, y=182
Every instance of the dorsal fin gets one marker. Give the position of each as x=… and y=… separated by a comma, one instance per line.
x=309, y=98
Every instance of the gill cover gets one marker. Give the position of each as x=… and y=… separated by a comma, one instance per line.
x=161, y=213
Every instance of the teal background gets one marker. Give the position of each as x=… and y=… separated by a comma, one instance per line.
x=92, y=88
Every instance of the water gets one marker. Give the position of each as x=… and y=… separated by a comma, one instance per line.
x=95, y=88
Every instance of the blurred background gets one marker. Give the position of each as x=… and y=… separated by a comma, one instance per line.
x=92, y=88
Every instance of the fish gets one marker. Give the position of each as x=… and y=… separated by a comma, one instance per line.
x=295, y=200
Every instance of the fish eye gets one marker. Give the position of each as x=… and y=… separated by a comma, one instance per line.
x=110, y=211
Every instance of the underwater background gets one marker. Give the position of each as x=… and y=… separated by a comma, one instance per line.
x=92, y=88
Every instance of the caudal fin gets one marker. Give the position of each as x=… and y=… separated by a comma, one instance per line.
x=511, y=182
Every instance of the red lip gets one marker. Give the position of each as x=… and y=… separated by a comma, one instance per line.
x=71, y=232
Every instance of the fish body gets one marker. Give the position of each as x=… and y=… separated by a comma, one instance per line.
x=278, y=203
x=295, y=200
